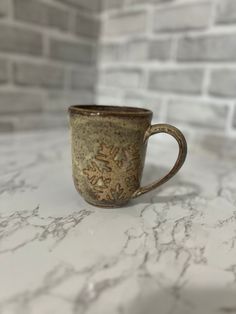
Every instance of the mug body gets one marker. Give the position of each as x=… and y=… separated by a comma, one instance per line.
x=108, y=152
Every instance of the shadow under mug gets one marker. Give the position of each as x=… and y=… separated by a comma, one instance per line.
x=108, y=152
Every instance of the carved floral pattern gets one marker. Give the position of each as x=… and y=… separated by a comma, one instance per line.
x=113, y=172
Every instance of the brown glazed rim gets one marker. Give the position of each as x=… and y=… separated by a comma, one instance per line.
x=101, y=110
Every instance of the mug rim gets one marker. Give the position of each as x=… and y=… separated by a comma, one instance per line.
x=109, y=110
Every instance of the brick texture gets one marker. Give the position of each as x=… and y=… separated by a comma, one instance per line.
x=175, y=57
x=41, y=75
x=138, y=99
x=199, y=114
x=121, y=78
x=185, y=17
x=177, y=81
x=109, y=52
x=178, y=48
x=226, y=12
x=208, y=48
x=3, y=71
x=223, y=83
x=161, y=1
x=6, y=126
x=83, y=79
x=90, y=5
x=134, y=50
x=123, y=24
x=234, y=118
x=32, y=121
x=16, y=102
x=109, y=95
x=34, y=11
x=131, y=2
x=71, y=51
x=41, y=43
x=4, y=7
x=88, y=27
x=20, y=40
x=59, y=100
x=160, y=49
x=112, y=4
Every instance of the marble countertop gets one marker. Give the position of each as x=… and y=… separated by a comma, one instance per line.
x=172, y=251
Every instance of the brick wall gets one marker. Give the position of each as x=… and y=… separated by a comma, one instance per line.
x=46, y=47
x=177, y=57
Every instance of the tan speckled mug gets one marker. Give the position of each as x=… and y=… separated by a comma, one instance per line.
x=108, y=152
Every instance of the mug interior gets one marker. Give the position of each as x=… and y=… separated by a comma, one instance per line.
x=109, y=110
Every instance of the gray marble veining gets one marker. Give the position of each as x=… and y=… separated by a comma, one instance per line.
x=172, y=251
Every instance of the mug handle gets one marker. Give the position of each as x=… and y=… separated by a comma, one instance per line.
x=169, y=129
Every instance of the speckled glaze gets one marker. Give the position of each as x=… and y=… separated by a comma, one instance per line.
x=108, y=152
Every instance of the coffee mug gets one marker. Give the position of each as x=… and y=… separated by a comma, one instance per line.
x=108, y=152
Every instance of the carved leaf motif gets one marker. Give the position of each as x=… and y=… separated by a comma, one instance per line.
x=118, y=192
x=94, y=174
x=112, y=163
x=109, y=155
x=131, y=182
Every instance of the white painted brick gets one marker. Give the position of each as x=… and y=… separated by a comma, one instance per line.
x=37, y=12
x=223, y=83
x=161, y=1
x=160, y=49
x=184, y=17
x=226, y=12
x=3, y=71
x=125, y=24
x=71, y=51
x=88, y=27
x=125, y=78
x=178, y=81
x=20, y=40
x=41, y=75
x=28, y=121
x=135, y=50
x=139, y=100
x=198, y=114
x=59, y=101
x=234, y=118
x=15, y=102
x=84, y=79
x=208, y=48
x=128, y=36
x=109, y=52
x=133, y=2
x=6, y=126
x=91, y=5
x=112, y=4
x=109, y=96
x=4, y=7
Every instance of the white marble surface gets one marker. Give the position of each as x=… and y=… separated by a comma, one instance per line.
x=172, y=251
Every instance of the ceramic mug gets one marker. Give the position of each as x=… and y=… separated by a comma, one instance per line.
x=108, y=152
